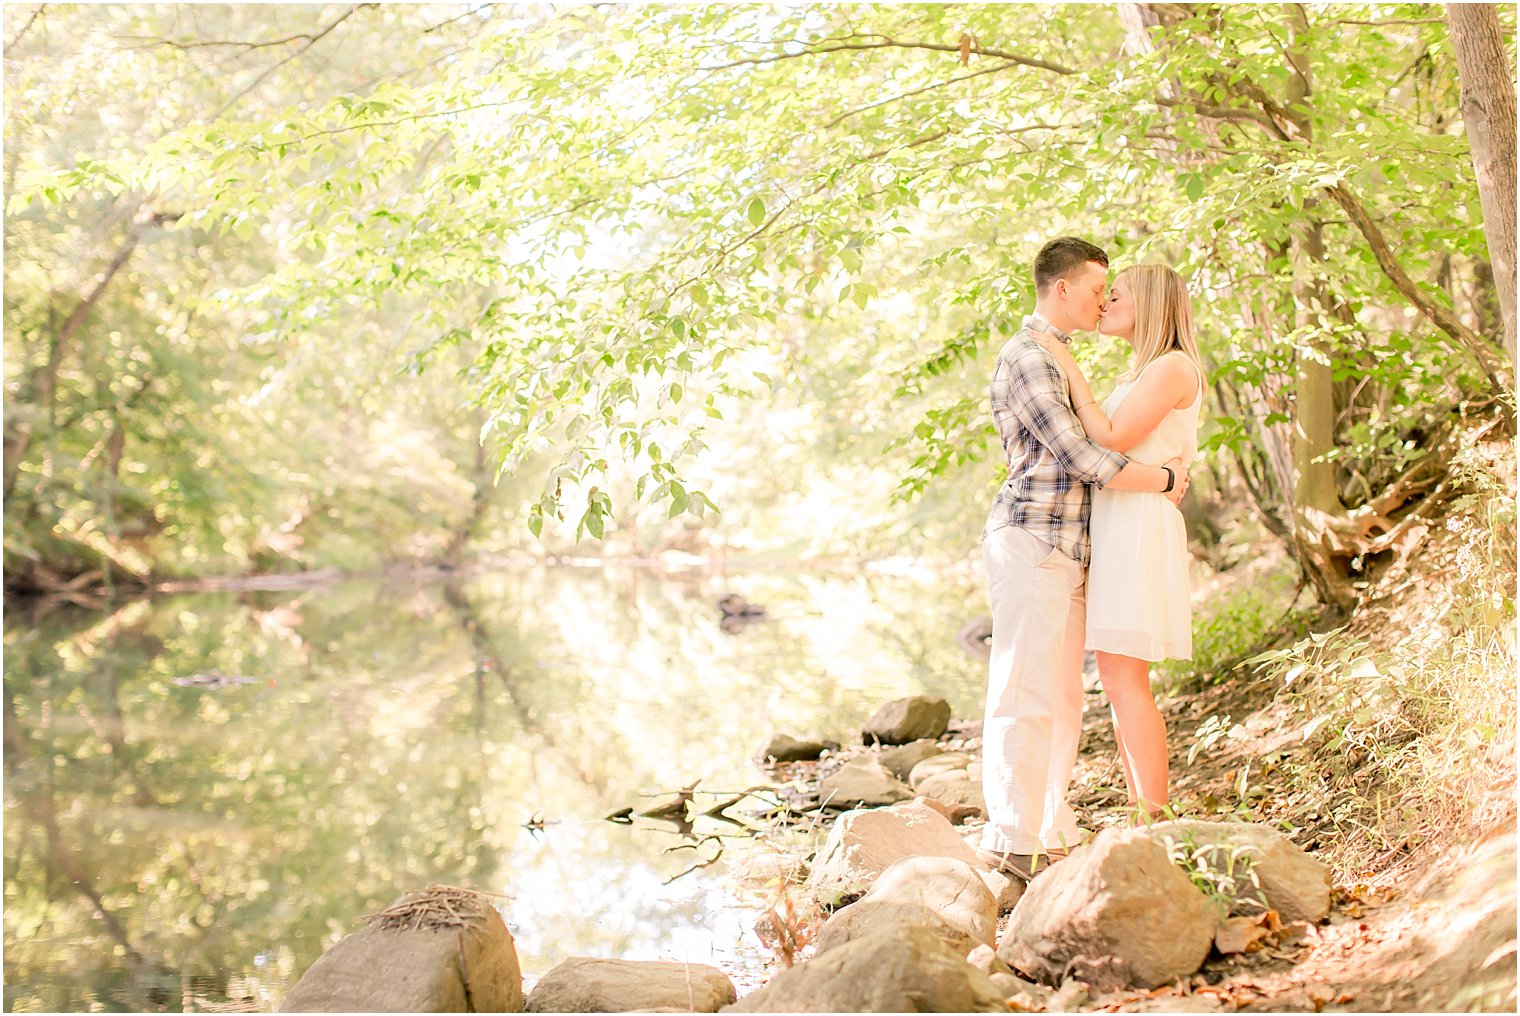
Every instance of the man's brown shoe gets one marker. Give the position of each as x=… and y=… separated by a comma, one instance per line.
x=1021, y=866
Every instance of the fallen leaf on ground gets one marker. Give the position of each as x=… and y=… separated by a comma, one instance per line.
x=1245, y=934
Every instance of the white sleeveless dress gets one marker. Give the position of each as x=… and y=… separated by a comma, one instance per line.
x=1138, y=600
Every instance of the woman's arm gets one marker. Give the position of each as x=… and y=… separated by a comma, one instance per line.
x=1169, y=383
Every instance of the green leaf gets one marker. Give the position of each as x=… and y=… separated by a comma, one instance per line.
x=756, y=211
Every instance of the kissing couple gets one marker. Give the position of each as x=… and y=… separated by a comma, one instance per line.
x=1085, y=547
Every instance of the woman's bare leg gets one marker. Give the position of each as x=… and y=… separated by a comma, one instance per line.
x=1127, y=682
x=1129, y=772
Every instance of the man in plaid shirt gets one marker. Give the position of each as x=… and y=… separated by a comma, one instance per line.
x=1036, y=550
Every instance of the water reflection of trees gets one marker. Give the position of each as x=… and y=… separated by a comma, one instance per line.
x=168, y=845
x=209, y=831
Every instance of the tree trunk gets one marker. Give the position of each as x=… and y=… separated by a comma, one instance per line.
x=1488, y=110
x=480, y=500
x=1316, y=498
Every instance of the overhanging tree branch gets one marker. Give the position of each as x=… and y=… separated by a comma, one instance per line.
x=25, y=28
x=1442, y=317
x=842, y=117
x=883, y=42
x=312, y=40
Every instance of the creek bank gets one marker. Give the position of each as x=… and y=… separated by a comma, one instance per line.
x=1132, y=910
x=893, y=912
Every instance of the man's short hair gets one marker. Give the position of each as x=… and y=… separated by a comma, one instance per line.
x=1062, y=257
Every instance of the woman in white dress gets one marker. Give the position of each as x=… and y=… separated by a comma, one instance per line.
x=1138, y=602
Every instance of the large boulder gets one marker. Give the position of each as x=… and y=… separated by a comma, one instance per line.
x=893, y=969
x=867, y=916
x=945, y=895
x=949, y=887
x=864, y=843
x=585, y=984
x=901, y=759
x=1286, y=878
x=785, y=748
x=1115, y=913
x=438, y=950
x=862, y=782
x=907, y=719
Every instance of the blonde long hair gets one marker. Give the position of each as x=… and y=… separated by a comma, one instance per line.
x=1163, y=317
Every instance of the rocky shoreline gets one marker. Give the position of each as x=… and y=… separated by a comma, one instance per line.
x=893, y=913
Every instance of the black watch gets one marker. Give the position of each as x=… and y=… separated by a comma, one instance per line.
x=1171, y=480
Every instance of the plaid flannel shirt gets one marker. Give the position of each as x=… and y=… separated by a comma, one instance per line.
x=1051, y=460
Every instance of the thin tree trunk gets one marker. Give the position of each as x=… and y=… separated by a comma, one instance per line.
x=480, y=501
x=1315, y=496
x=1488, y=110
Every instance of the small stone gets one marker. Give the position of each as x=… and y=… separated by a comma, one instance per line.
x=587, y=984
x=965, y=728
x=985, y=958
x=901, y=760
x=785, y=748
x=945, y=762
x=907, y=719
x=960, y=789
x=1070, y=997
x=1007, y=983
x=864, y=843
x=1006, y=889
x=862, y=782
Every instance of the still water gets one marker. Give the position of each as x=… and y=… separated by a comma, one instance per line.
x=202, y=792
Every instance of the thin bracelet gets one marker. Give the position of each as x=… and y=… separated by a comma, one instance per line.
x=1089, y=402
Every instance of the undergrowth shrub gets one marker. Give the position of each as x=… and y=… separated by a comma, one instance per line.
x=1409, y=712
x=1234, y=619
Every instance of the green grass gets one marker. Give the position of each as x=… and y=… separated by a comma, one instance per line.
x=1247, y=607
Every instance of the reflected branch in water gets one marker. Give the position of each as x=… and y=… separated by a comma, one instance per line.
x=38, y=804
x=113, y=730
x=487, y=659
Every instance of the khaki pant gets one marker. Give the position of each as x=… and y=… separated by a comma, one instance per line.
x=1034, y=692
